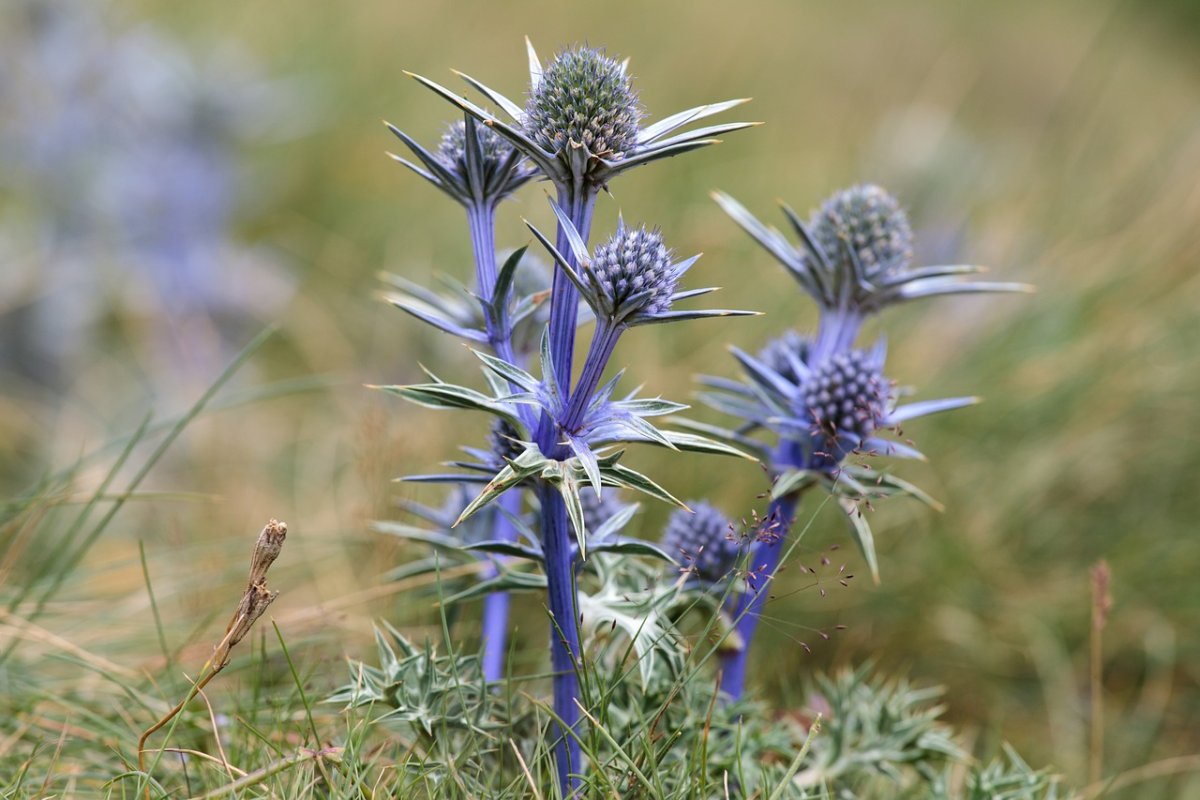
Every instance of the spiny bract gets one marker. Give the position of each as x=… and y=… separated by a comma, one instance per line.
x=703, y=541
x=872, y=223
x=599, y=509
x=584, y=99
x=634, y=271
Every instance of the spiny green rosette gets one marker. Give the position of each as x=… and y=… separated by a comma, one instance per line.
x=583, y=100
x=703, y=541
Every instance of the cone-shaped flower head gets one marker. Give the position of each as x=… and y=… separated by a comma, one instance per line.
x=847, y=399
x=868, y=221
x=786, y=355
x=633, y=272
x=581, y=122
x=702, y=540
x=822, y=409
x=854, y=259
x=452, y=150
x=472, y=163
x=505, y=442
x=583, y=100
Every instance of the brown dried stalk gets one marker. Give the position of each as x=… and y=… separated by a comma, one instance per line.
x=254, y=602
x=1101, y=606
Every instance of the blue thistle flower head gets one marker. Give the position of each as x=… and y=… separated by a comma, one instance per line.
x=584, y=100
x=821, y=408
x=505, y=444
x=703, y=540
x=581, y=122
x=846, y=399
x=786, y=355
x=452, y=149
x=854, y=259
x=867, y=224
x=634, y=272
x=472, y=163
x=600, y=508
x=629, y=279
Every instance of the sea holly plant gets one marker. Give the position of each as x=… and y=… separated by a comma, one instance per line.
x=815, y=409
x=562, y=433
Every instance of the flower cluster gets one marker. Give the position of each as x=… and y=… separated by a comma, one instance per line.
x=821, y=399
x=554, y=456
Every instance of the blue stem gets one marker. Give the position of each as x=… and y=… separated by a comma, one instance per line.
x=496, y=604
x=564, y=635
x=481, y=218
x=764, y=560
x=836, y=332
x=578, y=202
x=604, y=339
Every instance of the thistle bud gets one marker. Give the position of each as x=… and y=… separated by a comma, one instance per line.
x=871, y=222
x=452, y=150
x=505, y=442
x=703, y=540
x=584, y=99
x=634, y=272
x=782, y=353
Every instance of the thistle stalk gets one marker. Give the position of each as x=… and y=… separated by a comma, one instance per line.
x=481, y=219
x=579, y=201
x=763, y=564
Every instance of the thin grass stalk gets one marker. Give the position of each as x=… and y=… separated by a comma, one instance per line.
x=764, y=561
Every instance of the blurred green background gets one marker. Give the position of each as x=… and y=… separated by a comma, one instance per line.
x=1058, y=143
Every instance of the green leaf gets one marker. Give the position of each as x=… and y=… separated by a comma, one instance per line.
x=794, y=480
x=528, y=463
x=863, y=537
x=446, y=395
x=618, y=475
x=668, y=124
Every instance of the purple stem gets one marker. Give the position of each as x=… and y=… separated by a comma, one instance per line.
x=836, y=332
x=764, y=560
x=481, y=218
x=496, y=604
x=604, y=339
x=564, y=635
x=578, y=202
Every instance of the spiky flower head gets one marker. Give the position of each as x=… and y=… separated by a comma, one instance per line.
x=452, y=149
x=703, y=540
x=505, y=442
x=786, y=354
x=472, y=163
x=847, y=398
x=869, y=221
x=854, y=259
x=585, y=100
x=633, y=272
